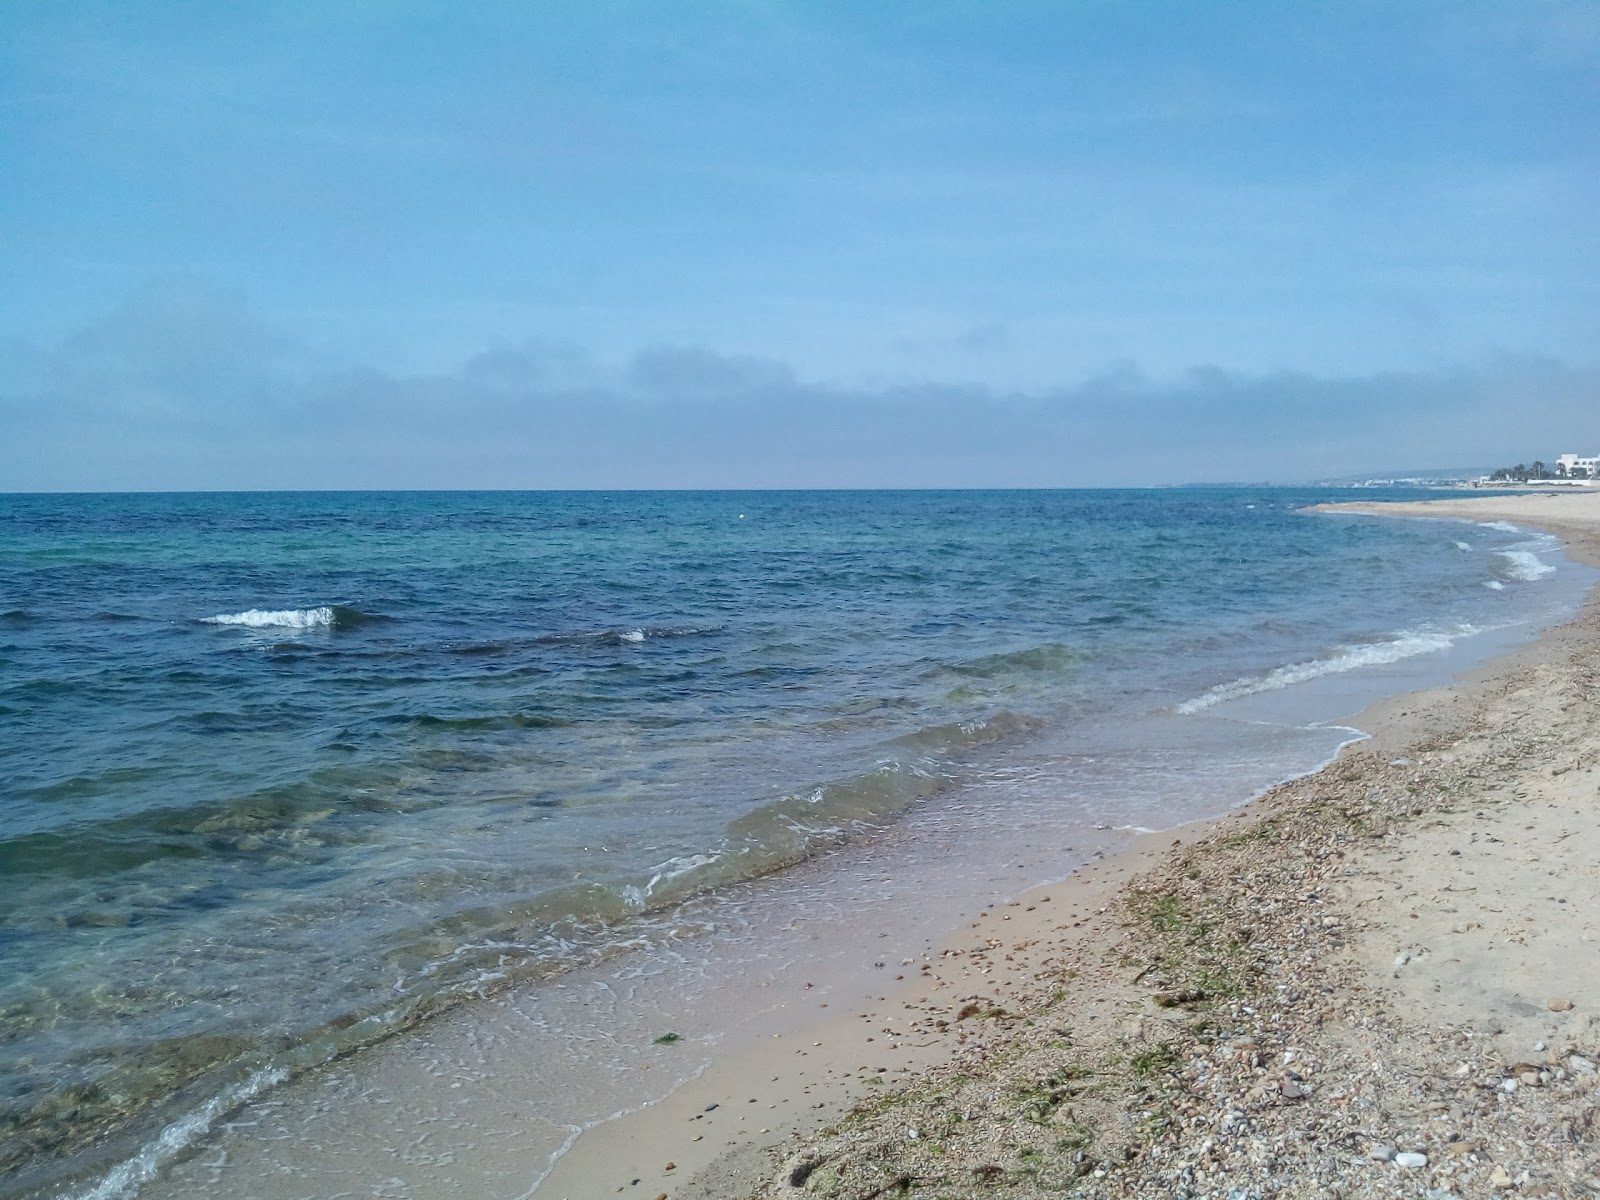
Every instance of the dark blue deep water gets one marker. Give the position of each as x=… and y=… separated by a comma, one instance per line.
x=281, y=773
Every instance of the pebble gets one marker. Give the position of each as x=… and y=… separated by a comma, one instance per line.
x=1558, y=1004
x=1249, y=1061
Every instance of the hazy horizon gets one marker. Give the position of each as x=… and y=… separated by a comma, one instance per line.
x=775, y=245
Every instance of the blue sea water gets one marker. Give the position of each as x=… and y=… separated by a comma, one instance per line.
x=281, y=774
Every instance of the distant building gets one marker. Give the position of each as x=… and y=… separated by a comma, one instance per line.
x=1570, y=464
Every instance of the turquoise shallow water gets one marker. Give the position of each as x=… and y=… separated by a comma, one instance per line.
x=283, y=773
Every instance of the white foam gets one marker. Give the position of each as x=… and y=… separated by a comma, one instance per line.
x=1503, y=526
x=674, y=867
x=632, y=635
x=275, y=618
x=1526, y=565
x=1344, y=658
x=126, y=1178
x=1494, y=585
x=1463, y=546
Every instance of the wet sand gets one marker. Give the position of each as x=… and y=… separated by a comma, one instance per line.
x=1397, y=956
x=1051, y=1022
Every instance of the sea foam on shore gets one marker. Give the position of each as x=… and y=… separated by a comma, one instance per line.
x=496, y=780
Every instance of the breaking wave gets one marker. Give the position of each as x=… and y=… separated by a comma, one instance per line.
x=1525, y=565
x=125, y=1179
x=1343, y=658
x=327, y=616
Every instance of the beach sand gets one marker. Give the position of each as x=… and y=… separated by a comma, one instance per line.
x=1379, y=980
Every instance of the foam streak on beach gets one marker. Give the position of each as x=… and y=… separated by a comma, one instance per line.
x=415, y=838
x=1381, y=979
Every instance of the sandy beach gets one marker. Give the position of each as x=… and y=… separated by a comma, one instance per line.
x=735, y=601
x=1379, y=980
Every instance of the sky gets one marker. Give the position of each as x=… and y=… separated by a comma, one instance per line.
x=926, y=243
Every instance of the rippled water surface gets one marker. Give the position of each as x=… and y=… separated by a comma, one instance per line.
x=281, y=773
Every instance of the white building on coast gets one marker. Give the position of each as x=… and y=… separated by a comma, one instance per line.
x=1569, y=470
x=1571, y=464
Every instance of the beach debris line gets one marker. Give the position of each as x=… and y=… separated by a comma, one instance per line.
x=1285, y=1073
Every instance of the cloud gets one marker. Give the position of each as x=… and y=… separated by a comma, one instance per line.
x=177, y=350
x=691, y=371
x=183, y=387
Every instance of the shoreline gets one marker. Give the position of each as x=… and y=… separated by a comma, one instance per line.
x=753, y=1070
x=1072, y=972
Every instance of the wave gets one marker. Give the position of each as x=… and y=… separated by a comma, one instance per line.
x=1502, y=526
x=512, y=720
x=640, y=633
x=943, y=740
x=326, y=616
x=625, y=636
x=477, y=951
x=1343, y=658
x=1052, y=656
x=674, y=869
x=127, y=1177
x=1525, y=565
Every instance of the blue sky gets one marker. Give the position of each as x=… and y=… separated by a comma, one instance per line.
x=738, y=244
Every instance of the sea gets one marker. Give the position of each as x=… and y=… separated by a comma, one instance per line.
x=285, y=777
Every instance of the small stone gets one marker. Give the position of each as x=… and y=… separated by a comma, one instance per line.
x=1410, y=1158
x=1462, y=1149
x=1529, y=1079
x=1580, y=1064
x=1294, y=1091
x=1381, y=1153
x=913, y=1134
x=671, y=1166
x=1500, y=1177
x=1558, y=1004
x=1508, y=1085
